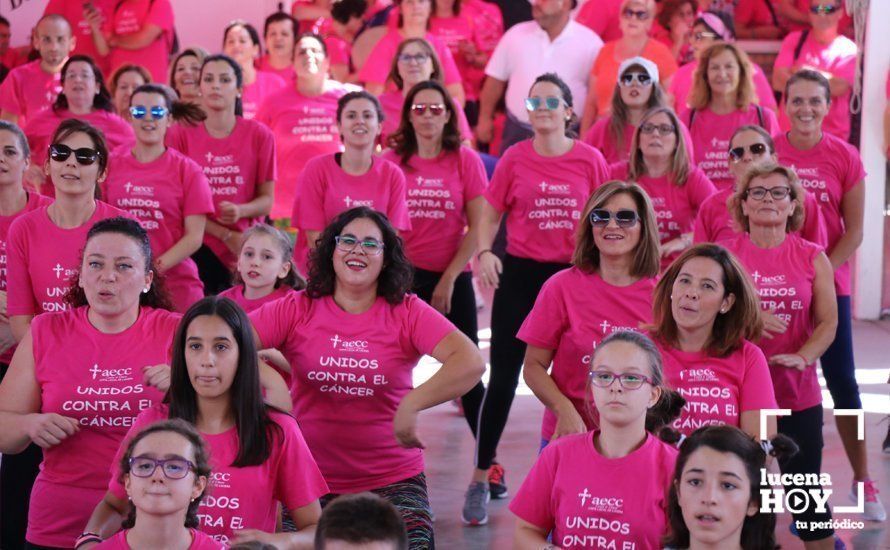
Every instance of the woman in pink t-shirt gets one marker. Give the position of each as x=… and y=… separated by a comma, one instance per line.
x=238, y=158
x=122, y=84
x=353, y=338
x=137, y=31
x=673, y=27
x=540, y=185
x=166, y=471
x=80, y=378
x=163, y=189
x=185, y=74
x=462, y=27
x=721, y=100
x=660, y=163
x=795, y=281
x=705, y=315
x=85, y=97
x=578, y=488
x=608, y=289
x=347, y=21
x=715, y=494
x=257, y=452
x=241, y=42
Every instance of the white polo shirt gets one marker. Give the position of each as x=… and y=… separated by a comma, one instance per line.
x=525, y=52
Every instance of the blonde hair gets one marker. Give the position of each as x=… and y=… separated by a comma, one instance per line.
x=700, y=96
x=734, y=203
x=680, y=161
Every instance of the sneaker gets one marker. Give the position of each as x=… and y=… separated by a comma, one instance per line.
x=475, y=504
x=874, y=510
x=497, y=482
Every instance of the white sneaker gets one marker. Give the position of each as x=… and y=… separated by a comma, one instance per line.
x=874, y=509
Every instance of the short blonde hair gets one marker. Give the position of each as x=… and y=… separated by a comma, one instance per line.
x=700, y=96
x=734, y=203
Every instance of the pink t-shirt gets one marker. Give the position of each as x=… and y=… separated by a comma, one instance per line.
x=784, y=277
x=675, y=205
x=600, y=136
x=27, y=91
x=837, y=58
x=200, y=541
x=602, y=17
x=377, y=66
x=287, y=73
x=160, y=194
x=454, y=31
x=35, y=201
x=247, y=497
x=591, y=501
x=573, y=312
x=438, y=192
x=131, y=16
x=73, y=13
x=303, y=127
x=253, y=95
x=544, y=198
x=718, y=389
x=829, y=170
x=357, y=363
x=236, y=294
x=392, y=103
x=681, y=85
x=714, y=224
x=711, y=134
x=95, y=378
x=234, y=166
x=39, y=275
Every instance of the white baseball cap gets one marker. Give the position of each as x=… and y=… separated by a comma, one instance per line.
x=648, y=66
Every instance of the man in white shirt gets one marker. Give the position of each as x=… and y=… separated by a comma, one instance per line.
x=553, y=42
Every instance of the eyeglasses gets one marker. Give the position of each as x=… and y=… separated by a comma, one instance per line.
x=418, y=58
x=627, y=79
x=826, y=10
x=604, y=379
x=699, y=36
x=139, y=111
x=757, y=149
x=435, y=109
x=661, y=129
x=600, y=217
x=370, y=247
x=759, y=193
x=84, y=156
x=550, y=103
x=641, y=15
x=173, y=468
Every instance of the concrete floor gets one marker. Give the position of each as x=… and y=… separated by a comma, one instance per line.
x=449, y=453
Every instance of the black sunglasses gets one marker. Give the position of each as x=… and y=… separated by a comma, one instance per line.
x=84, y=156
x=600, y=217
x=736, y=153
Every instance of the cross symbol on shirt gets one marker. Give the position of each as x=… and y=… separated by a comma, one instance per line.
x=128, y=186
x=755, y=276
x=419, y=180
x=58, y=269
x=543, y=186
x=347, y=200
x=605, y=326
x=335, y=340
x=209, y=156
x=585, y=494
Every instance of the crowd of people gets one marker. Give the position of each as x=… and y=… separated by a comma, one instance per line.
x=219, y=270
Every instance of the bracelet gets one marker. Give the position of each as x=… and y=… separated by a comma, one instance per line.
x=481, y=252
x=84, y=538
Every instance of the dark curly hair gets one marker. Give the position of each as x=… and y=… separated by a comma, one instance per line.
x=396, y=277
x=102, y=99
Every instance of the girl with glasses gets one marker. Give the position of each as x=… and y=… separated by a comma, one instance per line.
x=241, y=42
x=163, y=189
x=796, y=285
x=660, y=163
x=257, y=452
x=81, y=375
x=238, y=157
x=607, y=487
x=84, y=97
x=353, y=338
x=166, y=472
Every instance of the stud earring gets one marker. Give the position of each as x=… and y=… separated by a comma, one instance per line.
x=145, y=290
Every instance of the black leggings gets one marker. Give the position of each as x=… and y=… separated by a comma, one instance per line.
x=463, y=315
x=212, y=272
x=514, y=298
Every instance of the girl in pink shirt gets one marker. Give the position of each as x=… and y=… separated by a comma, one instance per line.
x=796, y=285
x=331, y=184
x=137, y=31
x=705, y=313
x=238, y=158
x=166, y=471
x=163, y=189
x=185, y=74
x=722, y=99
x=80, y=378
x=578, y=492
x=541, y=185
x=241, y=42
x=660, y=163
x=353, y=337
x=257, y=452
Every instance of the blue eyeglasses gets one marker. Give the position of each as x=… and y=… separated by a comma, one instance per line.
x=139, y=111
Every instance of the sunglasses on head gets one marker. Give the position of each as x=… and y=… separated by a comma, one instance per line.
x=550, y=103
x=435, y=109
x=84, y=156
x=736, y=153
x=641, y=15
x=627, y=79
x=827, y=10
x=600, y=217
x=139, y=111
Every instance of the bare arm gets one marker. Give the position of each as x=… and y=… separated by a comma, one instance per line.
x=305, y=518
x=139, y=39
x=749, y=422
x=20, y=325
x=456, y=90
x=186, y=246
x=107, y=516
x=490, y=266
x=528, y=536
x=590, y=113
x=853, y=212
x=535, y=373
x=491, y=93
x=441, y=299
x=261, y=204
